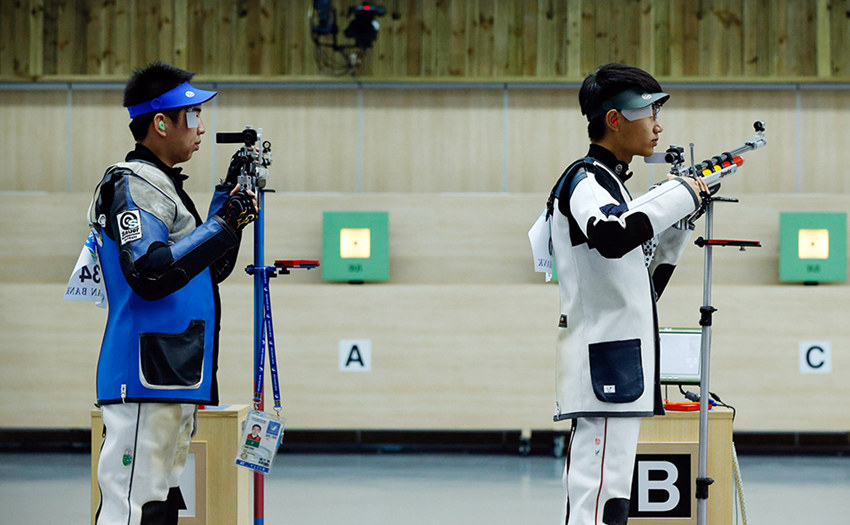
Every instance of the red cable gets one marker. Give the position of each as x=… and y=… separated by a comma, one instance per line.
x=683, y=406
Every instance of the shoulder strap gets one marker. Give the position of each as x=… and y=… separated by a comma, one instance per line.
x=566, y=178
x=92, y=219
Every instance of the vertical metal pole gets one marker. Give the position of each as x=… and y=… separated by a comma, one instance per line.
x=360, y=138
x=505, y=137
x=259, y=256
x=705, y=349
x=69, y=127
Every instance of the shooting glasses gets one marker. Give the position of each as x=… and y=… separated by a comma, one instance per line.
x=633, y=103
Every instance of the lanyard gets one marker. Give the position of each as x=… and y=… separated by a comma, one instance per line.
x=267, y=334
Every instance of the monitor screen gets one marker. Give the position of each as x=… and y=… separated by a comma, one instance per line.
x=680, y=355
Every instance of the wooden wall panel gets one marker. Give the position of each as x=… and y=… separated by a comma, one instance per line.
x=721, y=121
x=462, y=335
x=451, y=139
x=435, y=238
x=33, y=142
x=557, y=32
x=100, y=135
x=46, y=351
x=755, y=217
x=425, y=140
x=15, y=40
x=755, y=336
x=756, y=33
x=821, y=132
x=839, y=38
x=313, y=135
x=444, y=357
x=105, y=35
x=71, y=30
x=701, y=40
x=167, y=42
x=546, y=132
x=44, y=243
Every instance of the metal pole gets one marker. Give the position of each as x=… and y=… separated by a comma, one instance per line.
x=706, y=311
x=259, y=256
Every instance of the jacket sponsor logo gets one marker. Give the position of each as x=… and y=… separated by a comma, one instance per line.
x=130, y=226
x=609, y=389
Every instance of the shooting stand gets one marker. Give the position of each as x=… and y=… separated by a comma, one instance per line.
x=711, y=171
x=706, y=312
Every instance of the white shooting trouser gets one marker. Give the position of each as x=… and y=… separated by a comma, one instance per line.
x=143, y=454
x=598, y=471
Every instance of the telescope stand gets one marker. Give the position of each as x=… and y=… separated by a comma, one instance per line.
x=706, y=313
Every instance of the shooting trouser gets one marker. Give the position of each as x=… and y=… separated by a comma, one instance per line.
x=144, y=452
x=598, y=470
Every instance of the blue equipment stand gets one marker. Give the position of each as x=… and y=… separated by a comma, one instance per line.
x=263, y=326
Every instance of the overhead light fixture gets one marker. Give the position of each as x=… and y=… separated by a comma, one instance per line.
x=332, y=57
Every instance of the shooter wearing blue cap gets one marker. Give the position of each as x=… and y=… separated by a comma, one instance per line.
x=161, y=264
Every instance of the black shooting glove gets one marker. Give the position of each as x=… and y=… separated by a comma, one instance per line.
x=705, y=198
x=238, y=211
x=235, y=168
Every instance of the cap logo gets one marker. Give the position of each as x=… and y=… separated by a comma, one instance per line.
x=646, y=96
x=190, y=94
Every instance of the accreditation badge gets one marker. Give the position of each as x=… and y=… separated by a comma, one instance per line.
x=540, y=236
x=86, y=281
x=261, y=436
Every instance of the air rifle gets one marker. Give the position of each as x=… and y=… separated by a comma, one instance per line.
x=713, y=169
x=255, y=156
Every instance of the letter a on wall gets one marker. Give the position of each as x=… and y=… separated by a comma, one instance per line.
x=355, y=355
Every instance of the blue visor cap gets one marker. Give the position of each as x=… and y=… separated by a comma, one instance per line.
x=182, y=96
x=628, y=99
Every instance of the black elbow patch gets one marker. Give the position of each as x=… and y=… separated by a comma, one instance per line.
x=613, y=241
x=661, y=276
x=158, y=257
x=151, y=276
x=153, y=262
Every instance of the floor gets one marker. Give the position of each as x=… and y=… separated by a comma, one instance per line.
x=414, y=489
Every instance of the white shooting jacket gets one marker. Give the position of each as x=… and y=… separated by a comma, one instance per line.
x=607, y=350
